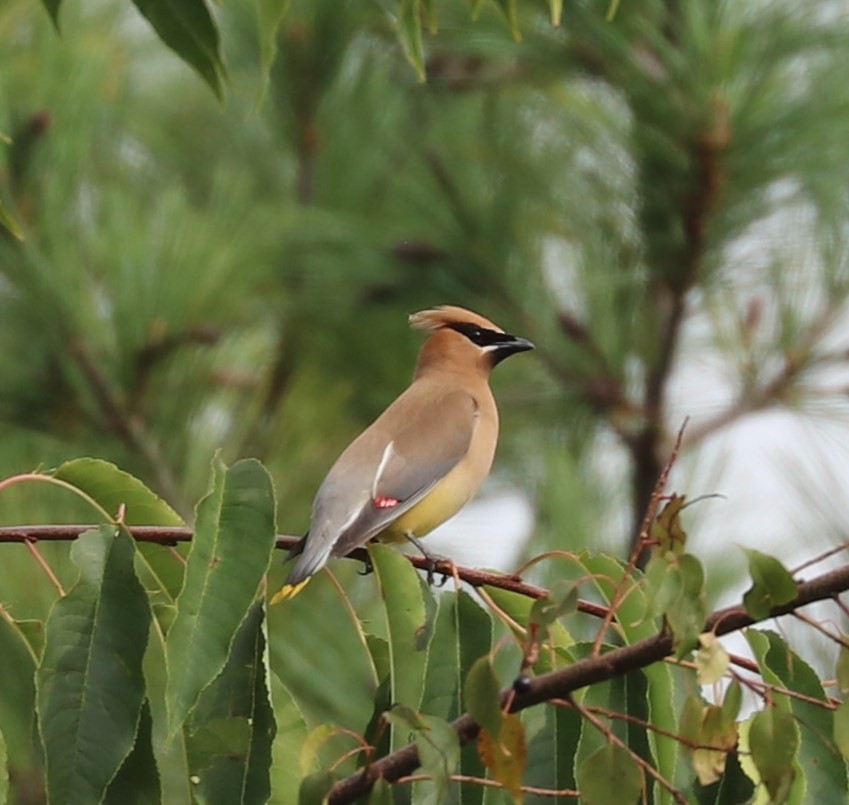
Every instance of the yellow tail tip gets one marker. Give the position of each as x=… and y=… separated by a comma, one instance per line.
x=288, y=591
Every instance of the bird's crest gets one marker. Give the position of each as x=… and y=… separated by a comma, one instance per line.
x=446, y=315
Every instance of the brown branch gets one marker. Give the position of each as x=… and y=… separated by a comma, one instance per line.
x=171, y=535
x=560, y=684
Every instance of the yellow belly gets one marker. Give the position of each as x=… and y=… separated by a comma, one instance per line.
x=440, y=504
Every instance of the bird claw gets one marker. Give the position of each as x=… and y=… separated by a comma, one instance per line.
x=368, y=567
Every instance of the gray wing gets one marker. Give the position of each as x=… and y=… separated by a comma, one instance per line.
x=353, y=506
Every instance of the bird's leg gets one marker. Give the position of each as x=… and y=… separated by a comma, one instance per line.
x=432, y=560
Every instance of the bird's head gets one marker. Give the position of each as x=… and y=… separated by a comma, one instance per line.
x=463, y=339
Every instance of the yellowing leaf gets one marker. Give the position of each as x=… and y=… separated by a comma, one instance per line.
x=773, y=742
x=667, y=529
x=711, y=659
x=506, y=757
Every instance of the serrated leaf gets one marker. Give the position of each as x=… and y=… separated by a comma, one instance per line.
x=667, y=530
x=482, y=695
x=137, y=780
x=609, y=775
x=291, y=733
x=232, y=725
x=113, y=488
x=96, y=638
x=410, y=34
x=8, y=222
x=406, y=621
x=842, y=669
x=716, y=731
x=773, y=742
x=439, y=752
x=230, y=554
x=772, y=584
x=821, y=771
x=462, y=633
x=712, y=659
x=505, y=757
x=188, y=29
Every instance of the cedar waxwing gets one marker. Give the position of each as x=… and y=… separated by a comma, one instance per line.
x=424, y=457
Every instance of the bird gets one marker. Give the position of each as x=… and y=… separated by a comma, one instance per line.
x=424, y=457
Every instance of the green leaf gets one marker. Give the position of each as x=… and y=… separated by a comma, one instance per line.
x=270, y=14
x=519, y=608
x=773, y=742
x=137, y=780
x=96, y=638
x=552, y=750
x=772, y=585
x=841, y=728
x=52, y=7
x=609, y=775
x=686, y=618
x=406, y=621
x=113, y=488
x=505, y=757
x=315, y=788
x=8, y=222
x=437, y=744
x=842, y=669
x=462, y=633
x=17, y=695
x=381, y=793
x=230, y=554
x=410, y=34
x=232, y=725
x=562, y=599
x=556, y=10
x=821, y=772
x=733, y=700
x=482, y=695
x=4, y=771
x=319, y=653
x=291, y=733
x=187, y=28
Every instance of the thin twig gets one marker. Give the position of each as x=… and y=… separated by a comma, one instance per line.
x=467, y=778
x=589, y=671
x=639, y=545
x=54, y=580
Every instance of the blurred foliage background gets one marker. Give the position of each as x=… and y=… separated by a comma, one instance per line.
x=657, y=200
x=643, y=197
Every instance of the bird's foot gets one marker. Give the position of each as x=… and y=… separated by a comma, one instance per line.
x=367, y=568
x=434, y=561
